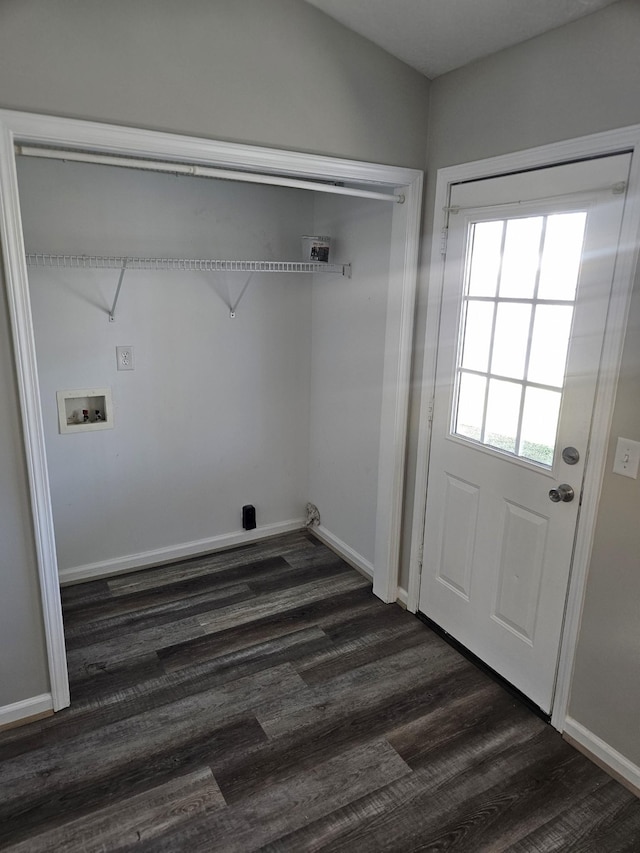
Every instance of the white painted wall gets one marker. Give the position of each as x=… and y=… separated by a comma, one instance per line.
x=275, y=407
x=216, y=413
x=348, y=337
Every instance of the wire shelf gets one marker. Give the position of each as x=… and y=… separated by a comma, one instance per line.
x=181, y=264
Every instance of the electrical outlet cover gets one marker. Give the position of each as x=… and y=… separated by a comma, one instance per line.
x=124, y=357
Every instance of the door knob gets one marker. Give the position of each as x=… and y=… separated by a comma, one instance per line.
x=562, y=493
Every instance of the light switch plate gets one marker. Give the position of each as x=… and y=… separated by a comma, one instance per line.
x=124, y=357
x=627, y=458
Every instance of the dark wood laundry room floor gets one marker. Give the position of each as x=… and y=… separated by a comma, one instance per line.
x=263, y=699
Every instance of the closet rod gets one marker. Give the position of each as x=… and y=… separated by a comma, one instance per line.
x=202, y=172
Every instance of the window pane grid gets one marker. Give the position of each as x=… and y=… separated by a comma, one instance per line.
x=532, y=314
x=512, y=412
x=516, y=301
x=487, y=386
x=527, y=383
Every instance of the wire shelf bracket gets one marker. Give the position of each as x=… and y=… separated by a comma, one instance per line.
x=233, y=308
x=112, y=313
x=97, y=262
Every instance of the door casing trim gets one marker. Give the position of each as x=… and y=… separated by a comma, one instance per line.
x=595, y=145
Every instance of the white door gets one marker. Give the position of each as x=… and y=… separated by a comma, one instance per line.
x=528, y=273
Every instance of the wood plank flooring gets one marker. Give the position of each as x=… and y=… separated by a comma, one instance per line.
x=263, y=699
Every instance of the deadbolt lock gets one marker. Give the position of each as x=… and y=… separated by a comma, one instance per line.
x=570, y=455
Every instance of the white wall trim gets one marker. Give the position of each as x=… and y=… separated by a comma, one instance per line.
x=41, y=129
x=610, y=142
x=622, y=287
x=348, y=554
x=427, y=392
x=130, y=562
x=603, y=754
x=402, y=597
x=25, y=708
x=27, y=128
x=17, y=288
x=403, y=273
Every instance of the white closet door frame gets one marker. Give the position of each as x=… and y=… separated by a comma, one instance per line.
x=27, y=128
x=611, y=142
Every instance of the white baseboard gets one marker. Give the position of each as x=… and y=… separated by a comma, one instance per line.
x=403, y=597
x=604, y=755
x=348, y=554
x=33, y=707
x=107, y=568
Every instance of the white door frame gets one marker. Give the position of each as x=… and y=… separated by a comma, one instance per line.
x=625, y=139
x=26, y=128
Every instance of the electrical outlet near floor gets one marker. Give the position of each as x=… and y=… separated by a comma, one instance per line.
x=124, y=357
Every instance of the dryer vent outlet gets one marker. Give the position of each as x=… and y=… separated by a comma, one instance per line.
x=312, y=515
x=248, y=517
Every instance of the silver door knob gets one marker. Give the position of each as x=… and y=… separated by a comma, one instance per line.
x=562, y=493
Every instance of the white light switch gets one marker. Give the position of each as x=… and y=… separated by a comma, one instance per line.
x=124, y=356
x=627, y=458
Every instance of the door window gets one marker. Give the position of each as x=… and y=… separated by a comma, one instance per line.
x=519, y=295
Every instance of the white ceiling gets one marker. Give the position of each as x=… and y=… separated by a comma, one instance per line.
x=436, y=36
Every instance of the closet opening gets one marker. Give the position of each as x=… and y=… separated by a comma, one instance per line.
x=237, y=372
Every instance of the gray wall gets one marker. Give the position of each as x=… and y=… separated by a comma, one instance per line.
x=579, y=79
x=606, y=683
x=275, y=73
x=271, y=72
